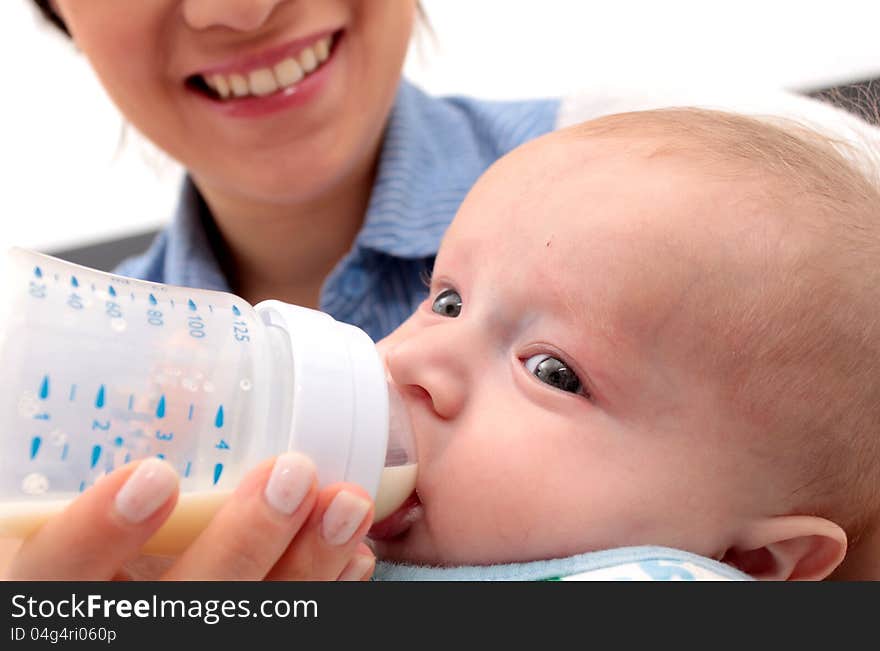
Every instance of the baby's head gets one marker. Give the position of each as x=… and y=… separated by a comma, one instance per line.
x=654, y=328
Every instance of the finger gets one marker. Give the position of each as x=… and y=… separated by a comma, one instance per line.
x=360, y=567
x=148, y=568
x=252, y=530
x=329, y=540
x=8, y=549
x=103, y=528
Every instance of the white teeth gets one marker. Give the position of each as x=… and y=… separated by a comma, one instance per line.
x=322, y=49
x=265, y=81
x=218, y=83
x=308, y=60
x=239, y=85
x=288, y=72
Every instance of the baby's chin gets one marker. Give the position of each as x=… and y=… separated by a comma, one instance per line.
x=420, y=544
x=413, y=546
x=417, y=546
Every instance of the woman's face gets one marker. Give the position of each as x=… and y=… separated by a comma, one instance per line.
x=168, y=64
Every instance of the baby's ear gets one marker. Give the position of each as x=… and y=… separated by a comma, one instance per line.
x=788, y=548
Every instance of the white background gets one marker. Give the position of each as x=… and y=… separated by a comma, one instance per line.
x=66, y=177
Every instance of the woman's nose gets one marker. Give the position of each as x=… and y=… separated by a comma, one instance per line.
x=429, y=364
x=241, y=15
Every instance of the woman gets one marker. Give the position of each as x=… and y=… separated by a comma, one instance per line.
x=315, y=176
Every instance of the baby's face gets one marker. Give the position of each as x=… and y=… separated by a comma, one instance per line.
x=566, y=405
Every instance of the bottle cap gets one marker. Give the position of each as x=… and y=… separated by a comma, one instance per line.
x=340, y=397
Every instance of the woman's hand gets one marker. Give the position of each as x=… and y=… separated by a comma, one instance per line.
x=277, y=525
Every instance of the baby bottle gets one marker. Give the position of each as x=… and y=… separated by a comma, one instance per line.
x=100, y=370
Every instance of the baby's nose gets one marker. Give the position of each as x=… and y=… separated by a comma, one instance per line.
x=241, y=15
x=429, y=372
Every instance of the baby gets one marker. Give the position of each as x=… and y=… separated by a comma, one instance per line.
x=656, y=328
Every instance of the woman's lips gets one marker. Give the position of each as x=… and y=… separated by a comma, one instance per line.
x=398, y=522
x=250, y=105
x=266, y=58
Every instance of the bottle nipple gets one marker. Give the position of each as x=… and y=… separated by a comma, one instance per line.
x=398, y=479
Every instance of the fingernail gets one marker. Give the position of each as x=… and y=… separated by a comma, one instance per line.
x=148, y=488
x=290, y=481
x=343, y=517
x=357, y=568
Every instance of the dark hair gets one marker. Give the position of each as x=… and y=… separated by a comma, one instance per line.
x=45, y=7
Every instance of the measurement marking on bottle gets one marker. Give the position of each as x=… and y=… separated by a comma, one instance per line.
x=187, y=469
x=82, y=485
x=190, y=415
x=171, y=300
x=130, y=402
x=160, y=456
x=192, y=305
x=210, y=308
x=100, y=398
x=111, y=291
x=153, y=300
x=38, y=272
x=218, y=470
x=74, y=282
x=44, y=388
x=96, y=454
x=35, y=446
x=118, y=441
x=127, y=457
x=72, y=392
x=41, y=416
x=218, y=419
x=64, y=451
x=236, y=311
x=160, y=409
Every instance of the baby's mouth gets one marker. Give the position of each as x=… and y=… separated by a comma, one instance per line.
x=280, y=77
x=399, y=522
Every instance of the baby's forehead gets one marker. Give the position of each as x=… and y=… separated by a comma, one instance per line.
x=588, y=197
x=632, y=242
x=653, y=205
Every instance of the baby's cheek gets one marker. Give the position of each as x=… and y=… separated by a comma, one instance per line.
x=493, y=529
x=481, y=512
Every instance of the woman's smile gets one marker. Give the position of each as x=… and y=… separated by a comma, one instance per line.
x=281, y=72
x=268, y=105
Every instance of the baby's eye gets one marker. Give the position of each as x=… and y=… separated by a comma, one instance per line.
x=555, y=372
x=447, y=303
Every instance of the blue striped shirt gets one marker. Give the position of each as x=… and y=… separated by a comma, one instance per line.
x=434, y=151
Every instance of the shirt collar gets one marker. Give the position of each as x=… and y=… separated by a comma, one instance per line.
x=430, y=159
x=420, y=182
x=190, y=259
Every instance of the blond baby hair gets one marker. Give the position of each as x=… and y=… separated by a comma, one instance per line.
x=800, y=351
